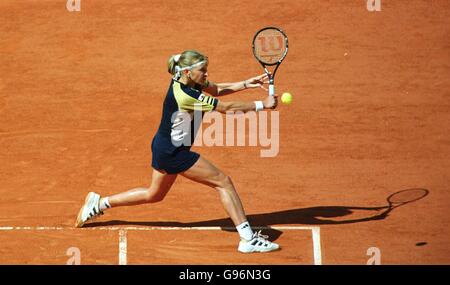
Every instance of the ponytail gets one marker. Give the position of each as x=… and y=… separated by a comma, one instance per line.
x=172, y=64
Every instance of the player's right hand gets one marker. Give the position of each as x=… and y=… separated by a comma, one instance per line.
x=270, y=102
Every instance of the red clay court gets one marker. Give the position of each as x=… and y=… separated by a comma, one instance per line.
x=81, y=95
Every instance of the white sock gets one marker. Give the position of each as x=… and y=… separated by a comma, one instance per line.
x=104, y=204
x=245, y=231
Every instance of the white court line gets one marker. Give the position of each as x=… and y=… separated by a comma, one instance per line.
x=317, y=250
x=122, y=247
x=316, y=245
x=152, y=228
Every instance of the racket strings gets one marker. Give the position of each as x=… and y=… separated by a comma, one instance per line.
x=270, y=46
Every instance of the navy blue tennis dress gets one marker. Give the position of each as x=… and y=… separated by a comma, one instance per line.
x=183, y=110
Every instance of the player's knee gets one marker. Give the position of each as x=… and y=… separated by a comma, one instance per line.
x=224, y=181
x=153, y=197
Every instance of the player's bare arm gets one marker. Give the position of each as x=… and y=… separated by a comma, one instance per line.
x=221, y=89
x=269, y=103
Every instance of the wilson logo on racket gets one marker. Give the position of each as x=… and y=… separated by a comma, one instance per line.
x=271, y=43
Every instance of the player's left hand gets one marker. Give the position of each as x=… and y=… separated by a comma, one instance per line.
x=257, y=81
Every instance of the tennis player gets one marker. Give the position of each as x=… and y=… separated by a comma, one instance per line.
x=171, y=146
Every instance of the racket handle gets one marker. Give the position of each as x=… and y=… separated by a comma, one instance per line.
x=271, y=89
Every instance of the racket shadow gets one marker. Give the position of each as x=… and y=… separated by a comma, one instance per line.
x=320, y=215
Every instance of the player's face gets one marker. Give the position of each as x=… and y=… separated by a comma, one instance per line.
x=199, y=74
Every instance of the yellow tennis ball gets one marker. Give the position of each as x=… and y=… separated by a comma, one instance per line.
x=286, y=98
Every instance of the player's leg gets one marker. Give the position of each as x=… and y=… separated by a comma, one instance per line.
x=94, y=205
x=206, y=173
x=160, y=186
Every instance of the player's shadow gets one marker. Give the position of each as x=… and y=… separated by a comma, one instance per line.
x=321, y=215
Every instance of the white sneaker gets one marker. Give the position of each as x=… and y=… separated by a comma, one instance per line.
x=258, y=243
x=89, y=210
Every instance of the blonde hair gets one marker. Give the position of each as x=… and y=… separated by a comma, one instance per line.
x=187, y=58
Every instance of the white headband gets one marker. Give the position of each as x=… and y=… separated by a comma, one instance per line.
x=178, y=69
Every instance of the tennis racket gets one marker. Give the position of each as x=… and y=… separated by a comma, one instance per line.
x=270, y=47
